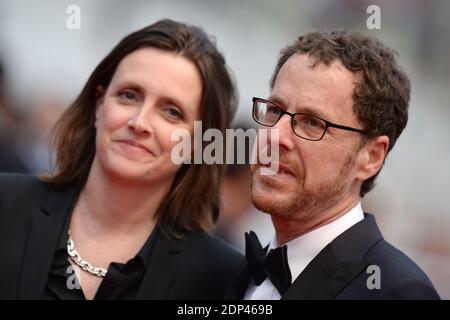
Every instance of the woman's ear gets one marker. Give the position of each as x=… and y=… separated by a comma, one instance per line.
x=99, y=97
x=371, y=157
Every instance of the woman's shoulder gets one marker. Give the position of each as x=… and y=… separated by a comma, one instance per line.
x=19, y=183
x=20, y=196
x=7, y=177
x=213, y=249
x=20, y=192
x=20, y=189
x=207, y=259
x=207, y=265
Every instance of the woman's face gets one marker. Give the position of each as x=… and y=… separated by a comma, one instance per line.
x=152, y=93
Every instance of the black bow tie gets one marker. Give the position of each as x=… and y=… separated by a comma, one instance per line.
x=273, y=265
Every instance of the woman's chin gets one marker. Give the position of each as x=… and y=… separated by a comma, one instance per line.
x=124, y=170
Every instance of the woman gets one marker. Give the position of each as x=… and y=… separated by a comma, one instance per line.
x=118, y=219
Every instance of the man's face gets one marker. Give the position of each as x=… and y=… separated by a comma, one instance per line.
x=317, y=174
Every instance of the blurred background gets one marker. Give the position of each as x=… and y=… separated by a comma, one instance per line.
x=45, y=63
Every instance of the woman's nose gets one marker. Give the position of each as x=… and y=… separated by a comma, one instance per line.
x=141, y=121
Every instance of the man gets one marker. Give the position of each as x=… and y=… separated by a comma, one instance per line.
x=339, y=101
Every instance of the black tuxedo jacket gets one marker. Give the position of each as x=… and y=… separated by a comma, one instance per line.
x=32, y=217
x=340, y=270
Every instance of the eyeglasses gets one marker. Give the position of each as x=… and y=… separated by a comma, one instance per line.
x=304, y=125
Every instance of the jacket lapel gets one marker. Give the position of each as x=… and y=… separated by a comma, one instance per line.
x=238, y=286
x=330, y=271
x=324, y=277
x=321, y=279
x=161, y=270
x=44, y=234
x=337, y=264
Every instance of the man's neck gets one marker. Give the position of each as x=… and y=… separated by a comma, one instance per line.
x=293, y=226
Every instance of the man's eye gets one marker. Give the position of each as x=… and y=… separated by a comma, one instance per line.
x=128, y=95
x=273, y=110
x=313, y=123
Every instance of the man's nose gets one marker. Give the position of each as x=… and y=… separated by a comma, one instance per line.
x=285, y=136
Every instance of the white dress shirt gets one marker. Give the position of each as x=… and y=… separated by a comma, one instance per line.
x=303, y=249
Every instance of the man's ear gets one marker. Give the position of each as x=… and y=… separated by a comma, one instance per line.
x=371, y=157
x=99, y=97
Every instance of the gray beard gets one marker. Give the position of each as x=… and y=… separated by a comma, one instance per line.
x=306, y=201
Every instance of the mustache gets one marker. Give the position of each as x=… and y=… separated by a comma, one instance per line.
x=285, y=160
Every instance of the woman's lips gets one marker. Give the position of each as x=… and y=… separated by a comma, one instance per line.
x=134, y=145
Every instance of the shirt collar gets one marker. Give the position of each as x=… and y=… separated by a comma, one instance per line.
x=303, y=249
x=149, y=245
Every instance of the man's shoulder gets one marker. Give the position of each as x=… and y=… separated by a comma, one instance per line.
x=390, y=274
x=396, y=275
x=399, y=274
x=397, y=263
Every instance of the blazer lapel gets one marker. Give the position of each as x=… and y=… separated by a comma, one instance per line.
x=337, y=264
x=161, y=270
x=238, y=286
x=44, y=234
x=323, y=278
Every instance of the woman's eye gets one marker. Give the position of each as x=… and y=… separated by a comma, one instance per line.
x=128, y=95
x=174, y=113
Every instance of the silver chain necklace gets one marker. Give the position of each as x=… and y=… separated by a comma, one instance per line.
x=86, y=266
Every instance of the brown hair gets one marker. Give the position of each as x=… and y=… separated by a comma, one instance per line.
x=381, y=95
x=192, y=202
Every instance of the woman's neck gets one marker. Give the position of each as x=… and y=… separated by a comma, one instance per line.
x=111, y=203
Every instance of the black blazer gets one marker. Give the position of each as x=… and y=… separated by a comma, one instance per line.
x=340, y=270
x=32, y=217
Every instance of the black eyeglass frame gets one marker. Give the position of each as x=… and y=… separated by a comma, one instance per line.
x=328, y=124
